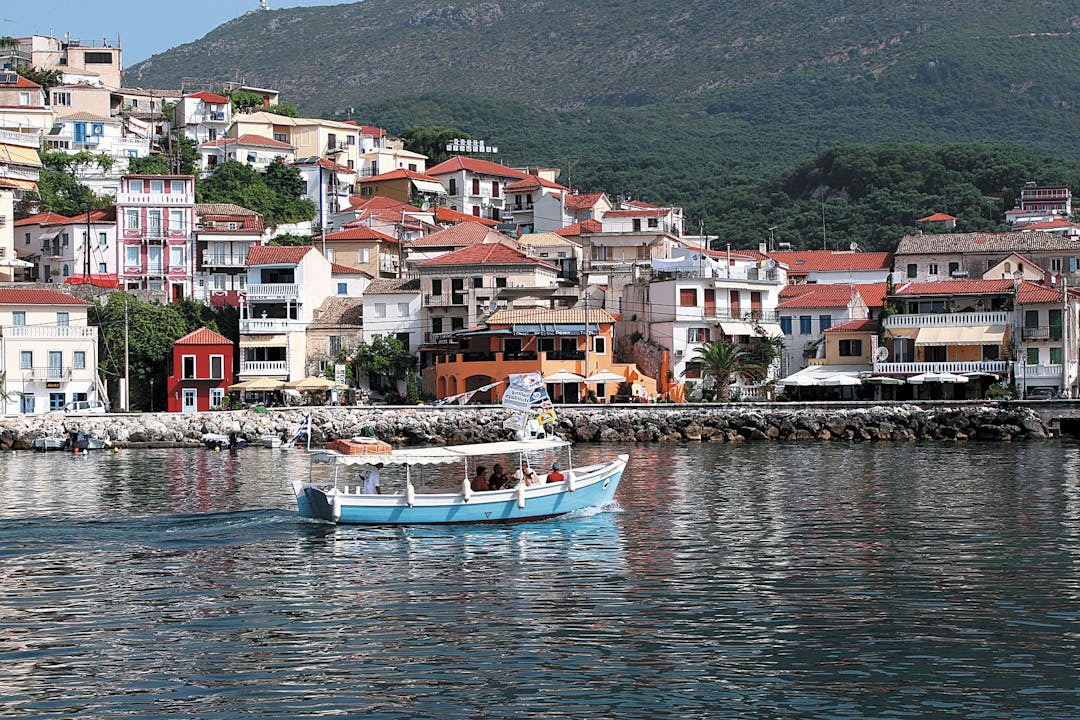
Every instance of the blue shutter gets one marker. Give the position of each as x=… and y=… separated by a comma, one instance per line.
x=785, y=325
x=1072, y=264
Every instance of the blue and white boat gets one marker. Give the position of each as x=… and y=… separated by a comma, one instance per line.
x=339, y=499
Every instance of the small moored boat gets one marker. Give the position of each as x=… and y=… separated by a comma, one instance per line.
x=79, y=440
x=44, y=444
x=217, y=441
x=338, y=500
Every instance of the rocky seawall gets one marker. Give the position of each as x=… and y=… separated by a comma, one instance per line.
x=653, y=423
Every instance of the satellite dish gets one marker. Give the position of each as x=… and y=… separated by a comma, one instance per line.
x=426, y=206
x=770, y=264
x=882, y=354
x=493, y=305
x=854, y=246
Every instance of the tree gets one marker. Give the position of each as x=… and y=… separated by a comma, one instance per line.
x=47, y=79
x=430, y=140
x=722, y=361
x=385, y=361
x=149, y=165
x=245, y=102
x=286, y=109
x=277, y=194
x=289, y=239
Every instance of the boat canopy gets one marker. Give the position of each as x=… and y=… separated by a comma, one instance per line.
x=440, y=455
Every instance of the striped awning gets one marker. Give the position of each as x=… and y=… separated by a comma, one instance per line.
x=247, y=341
x=973, y=335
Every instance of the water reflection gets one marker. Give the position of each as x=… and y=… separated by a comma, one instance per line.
x=812, y=580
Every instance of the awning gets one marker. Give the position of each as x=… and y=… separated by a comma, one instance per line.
x=247, y=341
x=973, y=335
x=427, y=186
x=555, y=329
x=737, y=328
x=17, y=184
x=20, y=156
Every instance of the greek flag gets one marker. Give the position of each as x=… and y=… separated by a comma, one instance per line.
x=304, y=429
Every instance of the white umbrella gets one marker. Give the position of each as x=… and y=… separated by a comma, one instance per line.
x=841, y=380
x=936, y=377
x=605, y=376
x=564, y=376
x=15, y=262
x=797, y=380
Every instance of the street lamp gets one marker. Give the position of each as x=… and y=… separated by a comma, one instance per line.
x=772, y=238
x=151, y=394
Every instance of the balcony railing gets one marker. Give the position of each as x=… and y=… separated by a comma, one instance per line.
x=1042, y=332
x=49, y=331
x=22, y=139
x=271, y=326
x=282, y=291
x=1036, y=371
x=565, y=355
x=915, y=368
x=18, y=172
x=219, y=260
x=130, y=198
x=961, y=319
x=445, y=299
x=45, y=374
x=264, y=367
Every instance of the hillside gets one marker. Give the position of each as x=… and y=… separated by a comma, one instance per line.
x=669, y=100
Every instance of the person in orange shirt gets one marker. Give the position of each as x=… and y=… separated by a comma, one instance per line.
x=555, y=475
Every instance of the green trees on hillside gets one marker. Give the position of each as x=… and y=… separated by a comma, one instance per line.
x=277, y=193
x=431, y=140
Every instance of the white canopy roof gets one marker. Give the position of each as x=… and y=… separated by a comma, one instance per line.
x=440, y=455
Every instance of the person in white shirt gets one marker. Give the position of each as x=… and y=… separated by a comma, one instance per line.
x=371, y=480
x=526, y=474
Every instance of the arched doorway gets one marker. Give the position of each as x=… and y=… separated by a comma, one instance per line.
x=474, y=382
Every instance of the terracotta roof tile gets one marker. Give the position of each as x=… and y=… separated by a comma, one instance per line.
x=936, y=217
x=399, y=174
x=35, y=296
x=484, y=254
x=855, y=326
x=533, y=183
x=1034, y=293
x=209, y=97
x=581, y=201
x=823, y=296
x=955, y=243
x=804, y=261
x=475, y=165
x=564, y=316
x=955, y=287
x=446, y=215
x=248, y=139
x=393, y=286
x=45, y=218
x=460, y=235
x=361, y=232
x=588, y=226
x=277, y=254
x=339, y=269
x=639, y=212
x=203, y=336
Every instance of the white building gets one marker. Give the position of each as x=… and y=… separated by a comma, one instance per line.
x=253, y=150
x=81, y=132
x=392, y=308
x=203, y=116
x=477, y=187
x=49, y=350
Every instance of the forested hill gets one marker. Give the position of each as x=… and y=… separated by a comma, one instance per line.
x=667, y=100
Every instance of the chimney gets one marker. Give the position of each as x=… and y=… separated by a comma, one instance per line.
x=763, y=248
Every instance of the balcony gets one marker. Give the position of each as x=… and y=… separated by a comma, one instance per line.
x=22, y=139
x=961, y=319
x=264, y=367
x=273, y=291
x=916, y=368
x=19, y=172
x=1029, y=372
x=565, y=355
x=445, y=299
x=272, y=326
x=163, y=199
x=219, y=260
x=50, y=331
x=45, y=374
x=1044, y=332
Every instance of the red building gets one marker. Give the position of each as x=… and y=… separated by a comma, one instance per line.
x=202, y=370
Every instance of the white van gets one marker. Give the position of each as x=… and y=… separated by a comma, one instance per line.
x=85, y=407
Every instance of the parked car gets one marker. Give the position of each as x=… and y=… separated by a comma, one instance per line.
x=85, y=407
x=1041, y=393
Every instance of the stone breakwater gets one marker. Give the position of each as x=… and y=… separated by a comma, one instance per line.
x=453, y=426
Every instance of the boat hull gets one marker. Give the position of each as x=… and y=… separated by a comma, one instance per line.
x=595, y=486
x=44, y=444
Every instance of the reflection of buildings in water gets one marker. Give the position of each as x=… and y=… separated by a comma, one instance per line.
x=203, y=481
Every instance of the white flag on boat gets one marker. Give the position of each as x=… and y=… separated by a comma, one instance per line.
x=304, y=429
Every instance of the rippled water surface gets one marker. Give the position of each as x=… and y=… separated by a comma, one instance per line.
x=754, y=581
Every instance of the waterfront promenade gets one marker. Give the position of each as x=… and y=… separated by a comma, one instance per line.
x=420, y=425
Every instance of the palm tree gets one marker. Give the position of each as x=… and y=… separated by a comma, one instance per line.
x=722, y=361
x=9, y=45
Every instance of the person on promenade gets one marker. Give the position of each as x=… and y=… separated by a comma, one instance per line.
x=372, y=480
x=499, y=479
x=555, y=475
x=480, y=480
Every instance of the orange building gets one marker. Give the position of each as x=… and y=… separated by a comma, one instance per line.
x=538, y=340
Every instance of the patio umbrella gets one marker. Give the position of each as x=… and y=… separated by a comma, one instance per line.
x=311, y=382
x=797, y=380
x=845, y=380
x=883, y=380
x=605, y=376
x=936, y=377
x=564, y=376
x=260, y=384
x=15, y=262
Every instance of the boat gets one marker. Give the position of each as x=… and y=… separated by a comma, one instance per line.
x=217, y=441
x=270, y=441
x=79, y=440
x=44, y=444
x=340, y=500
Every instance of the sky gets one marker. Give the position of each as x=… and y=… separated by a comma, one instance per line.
x=145, y=28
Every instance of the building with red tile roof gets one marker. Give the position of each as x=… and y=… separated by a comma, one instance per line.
x=367, y=249
x=477, y=187
x=575, y=230
x=835, y=266
x=201, y=371
x=277, y=254
x=445, y=216
x=401, y=185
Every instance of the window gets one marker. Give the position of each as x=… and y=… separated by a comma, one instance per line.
x=26, y=239
x=131, y=256
x=850, y=348
x=217, y=396
x=954, y=268
x=132, y=219
x=61, y=98
x=494, y=188
x=478, y=282
x=102, y=268
x=176, y=219
x=217, y=367
x=1055, y=265
x=500, y=282
x=687, y=297
x=1033, y=356
x=932, y=269
x=153, y=259
x=176, y=256
x=1055, y=323
x=1055, y=356
x=912, y=270
x=334, y=343
x=251, y=158
x=64, y=240
x=363, y=255
x=476, y=186
x=24, y=98
x=990, y=352
x=936, y=354
x=98, y=58
x=18, y=317
x=26, y=360
x=157, y=186
x=189, y=367
x=457, y=323
x=436, y=287
x=825, y=321
x=78, y=360
x=476, y=211
x=599, y=344
x=403, y=309
x=331, y=254
x=103, y=239
x=63, y=319
x=342, y=288
x=453, y=187
x=806, y=324
x=280, y=137
x=135, y=186
x=654, y=222
x=436, y=325
x=380, y=310
x=153, y=223
x=785, y=325
x=697, y=335
x=1031, y=318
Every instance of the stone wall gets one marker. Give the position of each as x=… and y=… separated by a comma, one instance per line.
x=645, y=423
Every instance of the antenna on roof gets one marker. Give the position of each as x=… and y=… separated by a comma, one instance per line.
x=264, y=4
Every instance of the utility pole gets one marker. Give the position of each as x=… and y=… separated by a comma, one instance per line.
x=86, y=248
x=588, y=340
x=127, y=378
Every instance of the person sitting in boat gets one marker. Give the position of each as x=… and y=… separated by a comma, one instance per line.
x=480, y=481
x=499, y=479
x=372, y=480
x=555, y=475
x=526, y=474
